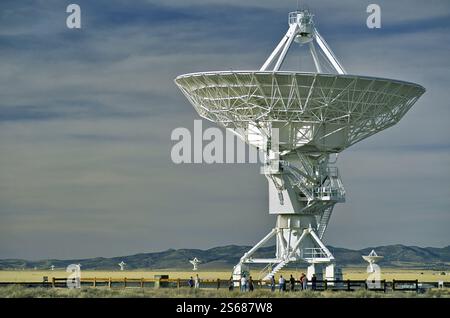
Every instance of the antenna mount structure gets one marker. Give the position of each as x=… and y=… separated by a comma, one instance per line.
x=299, y=120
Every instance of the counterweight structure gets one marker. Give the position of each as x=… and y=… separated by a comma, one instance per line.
x=300, y=120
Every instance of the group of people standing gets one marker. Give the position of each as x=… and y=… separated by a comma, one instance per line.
x=194, y=282
x=282, y=283
x=247, y=284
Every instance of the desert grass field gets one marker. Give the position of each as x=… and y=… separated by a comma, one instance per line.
x=16, y=291
x=88, y=292
x=348, y=273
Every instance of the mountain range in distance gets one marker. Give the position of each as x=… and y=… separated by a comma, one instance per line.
x=395, y=256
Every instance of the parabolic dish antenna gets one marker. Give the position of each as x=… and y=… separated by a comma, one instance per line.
x=372, y=258
x=122, y=265
x=298, y=119
x=195, y=263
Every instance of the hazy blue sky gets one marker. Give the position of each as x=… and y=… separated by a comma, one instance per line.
x=86, y=117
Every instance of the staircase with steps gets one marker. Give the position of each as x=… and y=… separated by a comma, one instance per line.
x=276, y=269
x=324, y=219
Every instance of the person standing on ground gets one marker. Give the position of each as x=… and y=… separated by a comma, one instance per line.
x=272, y=283
x=314, y=282
x=282, y=283
x=304, y=281
x=231, y=284
x=243, y=283
x=197, y=281
x=292, y=283
x=250, y=284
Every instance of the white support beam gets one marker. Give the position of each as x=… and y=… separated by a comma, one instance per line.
x=292, y=31
x=328, y=53
x=281, y=241
x=318, y=241
x=297, y=244
x=263, y=261
x=312, y=49
x=275, y=52
x=258, y=245
x=283, y=46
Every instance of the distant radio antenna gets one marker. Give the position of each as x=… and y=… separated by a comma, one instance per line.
x=195, y=263
x=372, y=258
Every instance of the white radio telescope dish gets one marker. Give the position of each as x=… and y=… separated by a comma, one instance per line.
x=122, y=265
x=372, y=258
x=309, y=116
x=195, y=263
